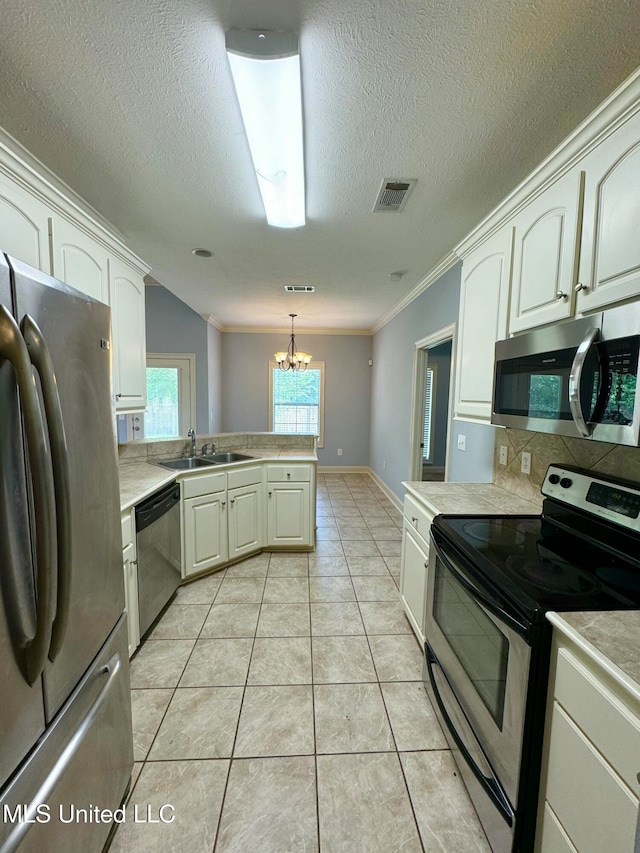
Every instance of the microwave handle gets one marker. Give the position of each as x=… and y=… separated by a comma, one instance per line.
x=575, y=377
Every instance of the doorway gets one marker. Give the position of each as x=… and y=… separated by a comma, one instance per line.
x=433, y=375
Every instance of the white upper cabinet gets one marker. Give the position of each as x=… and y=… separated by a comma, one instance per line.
x=79, y=260
x=484, y=300
x=24, y=226
x=126, y=297
x=610, y=255
x=545, y=253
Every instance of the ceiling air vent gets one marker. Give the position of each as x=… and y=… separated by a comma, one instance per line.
x=393, y=194
x=299, y=288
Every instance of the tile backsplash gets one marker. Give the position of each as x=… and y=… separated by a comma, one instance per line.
x=615, y=460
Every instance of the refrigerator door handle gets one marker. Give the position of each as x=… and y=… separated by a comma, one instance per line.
x=41, y=360
x=13, y=348
x=42, y=795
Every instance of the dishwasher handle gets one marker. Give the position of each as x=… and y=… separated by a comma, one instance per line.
x=157, y=505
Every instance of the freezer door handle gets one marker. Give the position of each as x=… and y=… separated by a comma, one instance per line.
x=13, y=348
x=41, y=360
x=43, y=794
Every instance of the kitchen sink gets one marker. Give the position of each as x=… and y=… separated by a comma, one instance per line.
x=222, y=458
x=188, y=464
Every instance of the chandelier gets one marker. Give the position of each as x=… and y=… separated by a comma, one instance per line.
x=292, y=360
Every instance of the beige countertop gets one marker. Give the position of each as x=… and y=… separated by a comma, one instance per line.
x=138, y=480
x=611, y=638
x=471, y=499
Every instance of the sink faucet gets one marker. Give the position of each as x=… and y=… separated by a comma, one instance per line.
x=212, y=445
x=192, y=436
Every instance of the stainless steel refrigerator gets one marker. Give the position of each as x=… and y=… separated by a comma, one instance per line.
x=65, y=714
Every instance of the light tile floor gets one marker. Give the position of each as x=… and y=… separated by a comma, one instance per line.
x=278, y=705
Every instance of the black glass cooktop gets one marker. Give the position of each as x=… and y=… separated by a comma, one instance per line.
x=538, y=565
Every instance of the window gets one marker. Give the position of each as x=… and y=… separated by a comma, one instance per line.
x=297, y=400
x=429, y=409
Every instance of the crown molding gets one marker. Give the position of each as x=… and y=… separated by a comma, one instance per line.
x=603, y=121
x=213, y=321
x=22, y=167
x=263, y=330
x=445, y=264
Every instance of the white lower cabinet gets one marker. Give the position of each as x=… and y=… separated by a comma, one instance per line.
x=415, y=563
x=290, y=514
x=245, y=520
x=590, y=789
x=130, y=568
x=222, y=517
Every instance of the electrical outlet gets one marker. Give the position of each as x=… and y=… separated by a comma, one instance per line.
x=462, y=442
x=339, y=451
x=503, y=454
x=525, y=465
x=384, y=465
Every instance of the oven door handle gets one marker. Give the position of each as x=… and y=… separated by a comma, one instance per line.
x=485, y=776
x=491, y=604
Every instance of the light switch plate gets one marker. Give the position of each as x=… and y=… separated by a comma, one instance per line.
x=503, y=454
x=525, y=465
x=462, y=442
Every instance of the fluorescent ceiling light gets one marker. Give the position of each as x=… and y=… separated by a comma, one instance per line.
x=266, y=73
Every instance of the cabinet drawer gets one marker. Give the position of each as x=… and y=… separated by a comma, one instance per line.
x=612, y=727
x=127, y=529
x=251, y=476
x=596, y=809
x=553, y=838
x=418, y=517
x=203, y=484
x=289, y=473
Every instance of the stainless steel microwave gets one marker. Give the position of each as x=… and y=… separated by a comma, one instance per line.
x=578, y=378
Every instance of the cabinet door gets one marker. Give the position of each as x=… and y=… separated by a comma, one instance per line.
x=484, y=298
x=130, y=566
x=413, y=579
x=288, y=514
x=545, y=254
x=79, y=260
x=24, y=226
x=610, y=252
x=205, y=532
x=126, y=297
x=245, y=520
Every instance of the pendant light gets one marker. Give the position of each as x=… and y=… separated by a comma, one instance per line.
x=292, y=360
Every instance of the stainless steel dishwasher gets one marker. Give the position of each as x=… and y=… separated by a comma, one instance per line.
x=158, y=541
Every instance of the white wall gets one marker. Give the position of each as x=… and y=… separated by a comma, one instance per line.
x=245, y=388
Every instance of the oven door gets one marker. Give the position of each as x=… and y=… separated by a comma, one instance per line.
x=482, y=668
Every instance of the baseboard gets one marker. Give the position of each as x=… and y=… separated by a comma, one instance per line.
x=343, y=469
x=395, y=500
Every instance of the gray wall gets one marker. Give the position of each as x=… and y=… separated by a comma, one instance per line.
x=174, y=327
x=475, y=464
x=392, y=376
x=245, y=388
x=214, y=364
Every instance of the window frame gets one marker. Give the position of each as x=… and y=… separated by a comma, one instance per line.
x=187, y=403
x=317, y=365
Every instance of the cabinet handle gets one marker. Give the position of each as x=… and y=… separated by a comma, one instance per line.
x=414, y=519
x=561, y=295
x=269, y=494
x=118, y=396
x=638, y=777
x=232, y=500
x=224, y=503
x=288, y=475
x=579, y=286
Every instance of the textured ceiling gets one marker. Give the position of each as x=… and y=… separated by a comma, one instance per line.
x=131, y=103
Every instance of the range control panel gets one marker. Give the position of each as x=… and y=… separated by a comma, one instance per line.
x=599, y=495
